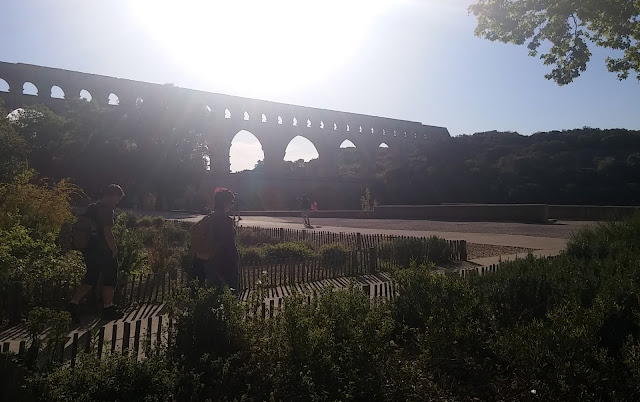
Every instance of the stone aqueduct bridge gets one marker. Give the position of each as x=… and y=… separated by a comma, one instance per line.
x=274, y=124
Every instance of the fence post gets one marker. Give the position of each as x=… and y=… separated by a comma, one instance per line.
x=114, y=337
x=366, y=288
x=100, y=342
x=74, y=349
x=281, y=234
x=136, y=338
x=463, y=250
x=373, y=260
x=358, y=241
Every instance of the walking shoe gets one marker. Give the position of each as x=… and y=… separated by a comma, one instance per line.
x=111, y=313
x=73, y=312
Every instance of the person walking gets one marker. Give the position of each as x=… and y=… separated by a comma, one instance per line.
x=213, y=242
x=236, y=208
x=100, y=255
x=305, y=206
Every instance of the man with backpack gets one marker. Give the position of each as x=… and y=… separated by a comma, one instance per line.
x=93, y=235
x=214, y=245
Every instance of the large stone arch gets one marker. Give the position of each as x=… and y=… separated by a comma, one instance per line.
x=243, y=149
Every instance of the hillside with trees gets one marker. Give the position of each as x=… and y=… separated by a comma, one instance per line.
x=583, y=166
x=165, y=156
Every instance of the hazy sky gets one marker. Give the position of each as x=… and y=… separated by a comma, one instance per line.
x=408, y=59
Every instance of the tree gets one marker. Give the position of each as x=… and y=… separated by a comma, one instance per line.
x=14, y=149
x=570, y=27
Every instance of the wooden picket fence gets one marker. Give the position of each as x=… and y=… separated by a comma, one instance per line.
x=142, y=337
x=351, y=241
x=368, y=253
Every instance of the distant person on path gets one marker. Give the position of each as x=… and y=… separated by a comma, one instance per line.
x=100, y=255
x=236, y=208
x=305, y=206
x=314, y=207
x=213, y=241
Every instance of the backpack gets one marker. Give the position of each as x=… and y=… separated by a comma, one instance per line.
x=202, y=238
x=77, y=235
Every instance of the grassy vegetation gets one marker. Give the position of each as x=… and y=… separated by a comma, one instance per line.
x=562, y=329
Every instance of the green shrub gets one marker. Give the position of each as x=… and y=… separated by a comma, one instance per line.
x=214, y=359
x=38, y=206
x=249, y=238
x=335, y=255
x=114, y=378
x=126, y=219
x=404, y=250
x=606, y=239
x=37, y=266
x=175, y=235
x=46, y=327
x=334, y=348
x=158, y=222
x=132, y=254
x=145, y=222
x=250, y=255
x=295, y=251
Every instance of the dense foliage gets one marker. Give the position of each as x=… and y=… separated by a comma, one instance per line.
x=566, y=29
x=562, y=329
x=583, y=167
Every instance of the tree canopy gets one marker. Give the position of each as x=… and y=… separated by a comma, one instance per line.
x=567, y=29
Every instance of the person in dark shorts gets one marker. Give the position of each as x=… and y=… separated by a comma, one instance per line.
x=222, y=268
x=305, y=206
x=100, y=255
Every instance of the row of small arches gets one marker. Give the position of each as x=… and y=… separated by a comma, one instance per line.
x=29, y=88
x=294, y=122
x=57, y=93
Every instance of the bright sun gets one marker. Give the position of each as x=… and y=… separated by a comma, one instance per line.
x=260, y=47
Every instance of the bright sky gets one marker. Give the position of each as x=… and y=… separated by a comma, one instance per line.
x=408, y=59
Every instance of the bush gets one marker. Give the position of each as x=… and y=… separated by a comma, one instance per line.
x=249, y=238
x=405, y=250
x=250, y=255
x=295, y=251
x=126, y=219
x=38, y=206
x=145, y=222
x=115, y=378
x=335, y=255
x=606, y=239
x=175, y=235
x=38, y=267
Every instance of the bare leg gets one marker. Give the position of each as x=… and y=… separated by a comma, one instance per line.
x=107, y=295
x=81, y=293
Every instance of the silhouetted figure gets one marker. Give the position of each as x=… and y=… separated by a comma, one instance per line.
x=305, y=206
x=236, y=208
x=100, y=255
x=213, y=241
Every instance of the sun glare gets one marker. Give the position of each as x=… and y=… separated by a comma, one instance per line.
x=257, y=46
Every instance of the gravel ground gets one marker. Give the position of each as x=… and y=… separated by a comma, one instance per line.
x=486, y=250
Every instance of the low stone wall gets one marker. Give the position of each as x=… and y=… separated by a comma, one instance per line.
x=346, y=214
x=591, y=212
x=527, y=213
